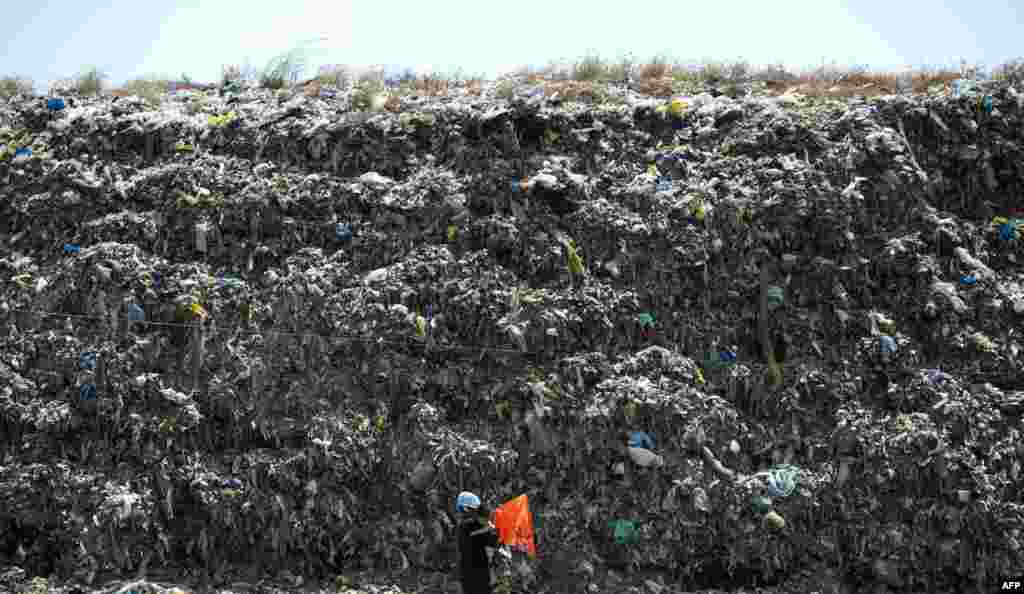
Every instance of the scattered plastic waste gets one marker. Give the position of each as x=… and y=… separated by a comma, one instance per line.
x=663, y=184
x=136, y=313
x=23, y=152
x=643, y=457
x=774, y=520
x=936, y=376
x=72, y=248
x=782, y=480
x=421, y=326
x=55, y=104
x=87, y=392
x=23, y=280
x=700, y=500
x=87, y=361
x=775, y=296
x=986, y=104
x=646, y=320
x=343, y=232
x=968, y=280
x=761, y=504
x=887, y=345
x=232, y=484
x=640, y=439
x=452, y=231
x=198, y=311
x=652, y=170
x=625, y=532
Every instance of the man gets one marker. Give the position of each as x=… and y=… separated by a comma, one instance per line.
x=476, y=533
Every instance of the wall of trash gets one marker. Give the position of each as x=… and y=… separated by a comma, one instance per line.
x=266, y=329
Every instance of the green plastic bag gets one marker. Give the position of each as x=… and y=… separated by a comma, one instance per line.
x=775, y=296
x=625, y=532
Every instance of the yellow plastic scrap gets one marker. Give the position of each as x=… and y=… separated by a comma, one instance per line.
x=630, y=409
x=677, y=107
x=1000, y=221
x=421, y=326
x=452, y=230
x=652, y=169
x=24, y=280
x=575, y=261
x=198, y=311
x=699, y=376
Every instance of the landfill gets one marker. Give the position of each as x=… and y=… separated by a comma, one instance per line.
x=261, y=340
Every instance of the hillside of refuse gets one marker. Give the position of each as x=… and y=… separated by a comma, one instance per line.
x=256, y=341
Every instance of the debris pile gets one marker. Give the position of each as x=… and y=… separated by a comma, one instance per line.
x=256, y=340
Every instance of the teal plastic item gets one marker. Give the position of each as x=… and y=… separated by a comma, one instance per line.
x=87, y=392
x=775, y=296
x=135, y=313
x=87, y=361
x=761, y=504
x=625, y=532
x=646, y=320
x=782, y=480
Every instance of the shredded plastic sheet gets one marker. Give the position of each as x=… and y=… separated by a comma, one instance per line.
x=514, y=524
x=87, y=361
x=625, y=532
x=87, y=392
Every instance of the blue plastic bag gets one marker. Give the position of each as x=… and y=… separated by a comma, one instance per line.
x=23, y=152
x=639, y=439
x=232, y=484
x=87, y=360
x=986, y=104
x=968, y=280
x=343, y=231
x=664, y=184
x=55, y=104
x=135, y=313
x=727, y=356
x=87, y=392
x=887, y=344
x=1008, y=231
x=515, y=186
x=72, y=248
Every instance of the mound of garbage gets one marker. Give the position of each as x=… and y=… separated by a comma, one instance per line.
x=258, y=341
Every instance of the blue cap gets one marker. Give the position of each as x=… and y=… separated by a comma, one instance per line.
x=466, y=501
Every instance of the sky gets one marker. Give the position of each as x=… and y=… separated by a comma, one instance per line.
x=51, y=40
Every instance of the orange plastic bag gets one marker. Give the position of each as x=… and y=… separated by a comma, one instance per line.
x=514, y=523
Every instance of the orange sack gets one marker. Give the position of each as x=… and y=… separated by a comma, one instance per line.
x=514, y=523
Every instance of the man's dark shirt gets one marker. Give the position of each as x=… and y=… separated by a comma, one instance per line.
x=473, y=561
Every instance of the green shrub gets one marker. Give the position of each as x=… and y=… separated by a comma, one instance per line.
x=11, y=86
x=590, y=68
x=90, y=82
x=505, y=89
x=364, y=93
x=1011, y=72
x=151, y=89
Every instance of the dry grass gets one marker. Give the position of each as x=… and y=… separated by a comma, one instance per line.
x=151, y=89
x=572, y=90
x=431, y=85
x=312, y=88
x=393, y=104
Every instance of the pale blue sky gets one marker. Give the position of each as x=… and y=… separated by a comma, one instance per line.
x=48, y=40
